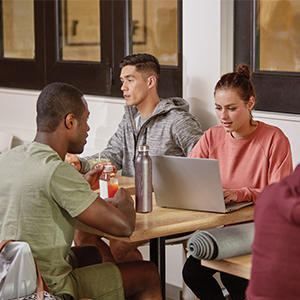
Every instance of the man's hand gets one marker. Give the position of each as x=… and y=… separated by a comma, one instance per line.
x=120, y=196
x=92, y=176
x=74, y=160
x=103, y=163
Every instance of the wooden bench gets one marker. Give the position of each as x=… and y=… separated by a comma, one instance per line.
x=239, y=266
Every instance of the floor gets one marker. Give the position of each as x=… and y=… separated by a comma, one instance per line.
x=178, y=293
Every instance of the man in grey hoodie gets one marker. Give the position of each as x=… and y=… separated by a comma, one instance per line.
x=165, y=125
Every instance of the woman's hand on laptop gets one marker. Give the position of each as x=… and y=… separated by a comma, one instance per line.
x=229, y=196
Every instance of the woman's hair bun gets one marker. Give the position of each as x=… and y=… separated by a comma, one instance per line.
x=244, y=70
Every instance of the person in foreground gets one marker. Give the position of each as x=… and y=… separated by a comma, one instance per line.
x=275, y=269
x=42, y=197
x=165, y=125
x=251, y=155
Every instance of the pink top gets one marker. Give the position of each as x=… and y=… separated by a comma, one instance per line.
x=247, y=164
x=275, y=268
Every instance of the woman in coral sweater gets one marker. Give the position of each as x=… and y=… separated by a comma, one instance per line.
x=251, y=155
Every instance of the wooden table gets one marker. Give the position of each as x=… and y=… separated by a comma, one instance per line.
x=239, y=266
x=163, y=222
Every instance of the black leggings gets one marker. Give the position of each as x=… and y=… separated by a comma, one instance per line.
x=201, y=281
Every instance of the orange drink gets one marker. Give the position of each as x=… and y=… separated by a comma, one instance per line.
x=112, y=189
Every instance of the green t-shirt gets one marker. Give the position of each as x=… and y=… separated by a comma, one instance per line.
x=40, y=197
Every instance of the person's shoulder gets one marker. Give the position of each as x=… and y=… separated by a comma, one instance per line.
x=214, y=135
x=35, y=151
x=9, y=155
x=271, y=129
x=129, y=112
x=130, y=109
x=173, y=104
x=215, y=130
x=42, y=152
x=61, y=169
x=66, y=167
x=178, y=101
x=176, y=109
x=128, y=117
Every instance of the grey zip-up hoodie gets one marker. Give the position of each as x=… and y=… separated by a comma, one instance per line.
x=170, y=130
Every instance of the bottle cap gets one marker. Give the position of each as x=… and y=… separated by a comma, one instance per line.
x=143, y=148
x=108, y=168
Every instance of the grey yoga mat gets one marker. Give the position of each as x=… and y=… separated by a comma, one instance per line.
x=221, y=243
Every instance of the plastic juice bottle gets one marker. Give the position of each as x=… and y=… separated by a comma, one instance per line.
x=108, y=182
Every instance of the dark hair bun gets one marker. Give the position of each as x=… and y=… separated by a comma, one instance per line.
x=243, y=70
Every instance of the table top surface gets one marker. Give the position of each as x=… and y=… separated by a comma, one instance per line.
x=162, y=222
x=239, y=266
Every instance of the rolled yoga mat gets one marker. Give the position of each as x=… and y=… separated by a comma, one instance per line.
x=221, y=243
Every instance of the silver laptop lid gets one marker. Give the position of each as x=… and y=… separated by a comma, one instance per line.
x=188, y=183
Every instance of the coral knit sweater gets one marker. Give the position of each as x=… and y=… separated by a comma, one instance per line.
x=247, y=164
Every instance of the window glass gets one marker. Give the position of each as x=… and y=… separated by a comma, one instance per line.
x=278, y=35
x=155, y=29
x=60, y=40
x=80, y=36
x=265, y=37
x=18, y=29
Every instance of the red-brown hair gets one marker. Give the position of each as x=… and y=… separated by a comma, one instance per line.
x=240, y=80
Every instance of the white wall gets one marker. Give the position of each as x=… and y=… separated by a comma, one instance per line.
x=18, y=113
x=207, y=53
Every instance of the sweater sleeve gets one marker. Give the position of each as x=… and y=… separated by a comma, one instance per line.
x=187, y=133
x=279, y=165
x=247, y=194
x=114, y=148
x=280, y=160
x=201, y=149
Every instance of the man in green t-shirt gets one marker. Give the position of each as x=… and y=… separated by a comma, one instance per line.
x=42, y=197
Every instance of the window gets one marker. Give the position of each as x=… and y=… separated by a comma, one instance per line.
x=267, y=38
x=156, y=28
x=18, y=30
x=81, y=42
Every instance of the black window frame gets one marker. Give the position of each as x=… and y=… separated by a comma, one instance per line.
x=277, y=91
x=95, y=78
x=24, y=73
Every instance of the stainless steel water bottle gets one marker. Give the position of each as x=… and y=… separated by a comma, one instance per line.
x=143, y=180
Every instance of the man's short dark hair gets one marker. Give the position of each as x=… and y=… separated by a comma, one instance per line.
x=144, y=63
x=55, y=102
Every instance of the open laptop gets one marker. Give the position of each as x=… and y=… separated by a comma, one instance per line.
x=190, y=183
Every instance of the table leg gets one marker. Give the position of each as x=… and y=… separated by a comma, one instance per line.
x=158, y=256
